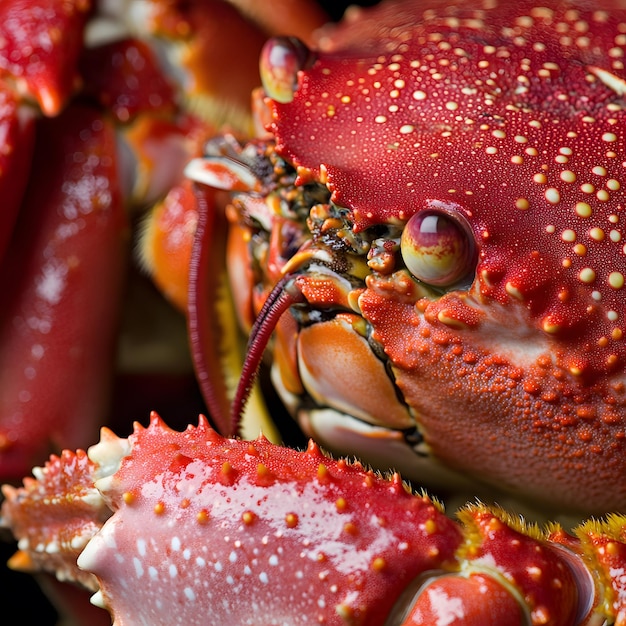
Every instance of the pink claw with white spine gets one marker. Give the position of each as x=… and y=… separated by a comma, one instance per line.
x=194, y=528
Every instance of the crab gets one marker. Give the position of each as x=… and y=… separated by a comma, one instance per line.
x=443, y=219
x=426, y=238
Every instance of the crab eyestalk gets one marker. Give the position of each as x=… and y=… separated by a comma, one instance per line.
x=281, y=60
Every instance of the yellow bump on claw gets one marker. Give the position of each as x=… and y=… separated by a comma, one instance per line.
x=21, y=561
x=430, y=526
x=379, y=564
x=322, y=472
x=248, y=517
x=345, y=612
x=262, y=471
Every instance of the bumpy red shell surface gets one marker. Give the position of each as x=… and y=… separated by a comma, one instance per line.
x=511, y=116
x=202, y=520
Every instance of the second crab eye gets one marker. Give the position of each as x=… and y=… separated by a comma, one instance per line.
x=437, y=249
x=281, y=60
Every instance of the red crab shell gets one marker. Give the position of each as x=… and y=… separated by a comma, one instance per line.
x=511, y=118
x=191, y=527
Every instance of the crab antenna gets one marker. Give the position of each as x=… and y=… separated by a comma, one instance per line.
x=280, y=299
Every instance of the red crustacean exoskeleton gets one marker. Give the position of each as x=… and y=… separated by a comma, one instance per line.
x=101, y=105
x=431, y=222
x=444, y=210
x=201, y=529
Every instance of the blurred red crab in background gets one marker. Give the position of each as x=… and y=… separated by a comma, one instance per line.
x=102, y=104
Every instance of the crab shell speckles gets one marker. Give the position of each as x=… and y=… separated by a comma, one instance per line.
x=202, y=521
x=511, y=116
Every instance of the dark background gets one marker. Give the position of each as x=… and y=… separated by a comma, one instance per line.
x=21, y=593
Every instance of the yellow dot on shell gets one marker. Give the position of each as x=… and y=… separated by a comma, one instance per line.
x=513, y=291
x=262, y=471
x=345, y=612
x=517, y=159
x=291, y=519
x=568, y=176
x=248, y=518
x=587, y=188
x=406, y=129
x=430, y=527
x=580, y=249
x=613, y=185
x=379, y=564
x=128, y=497
x=159, y=508
x=380, y=119
x=540, y=179
x=583, y=209
x=350, y=528
x=549, y=326
x=587, y=275
x=322, y=472
x=202, y=517
x=617, y=334
x=341, y=504
x=598, y=170
x=568, y=235
x=184, y=503
x=522, y=204
x=597, y=234
x=609, y=137
x=419, y=95
x=616, y=280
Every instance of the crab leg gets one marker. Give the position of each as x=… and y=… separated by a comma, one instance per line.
x=61, y=281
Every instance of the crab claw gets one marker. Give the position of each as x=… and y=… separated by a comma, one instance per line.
x=184, y=522
x=41, y=42
x=58, y=322
x=17, y=131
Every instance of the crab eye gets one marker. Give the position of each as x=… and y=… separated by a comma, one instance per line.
x=437, y=248
x=281, y=60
